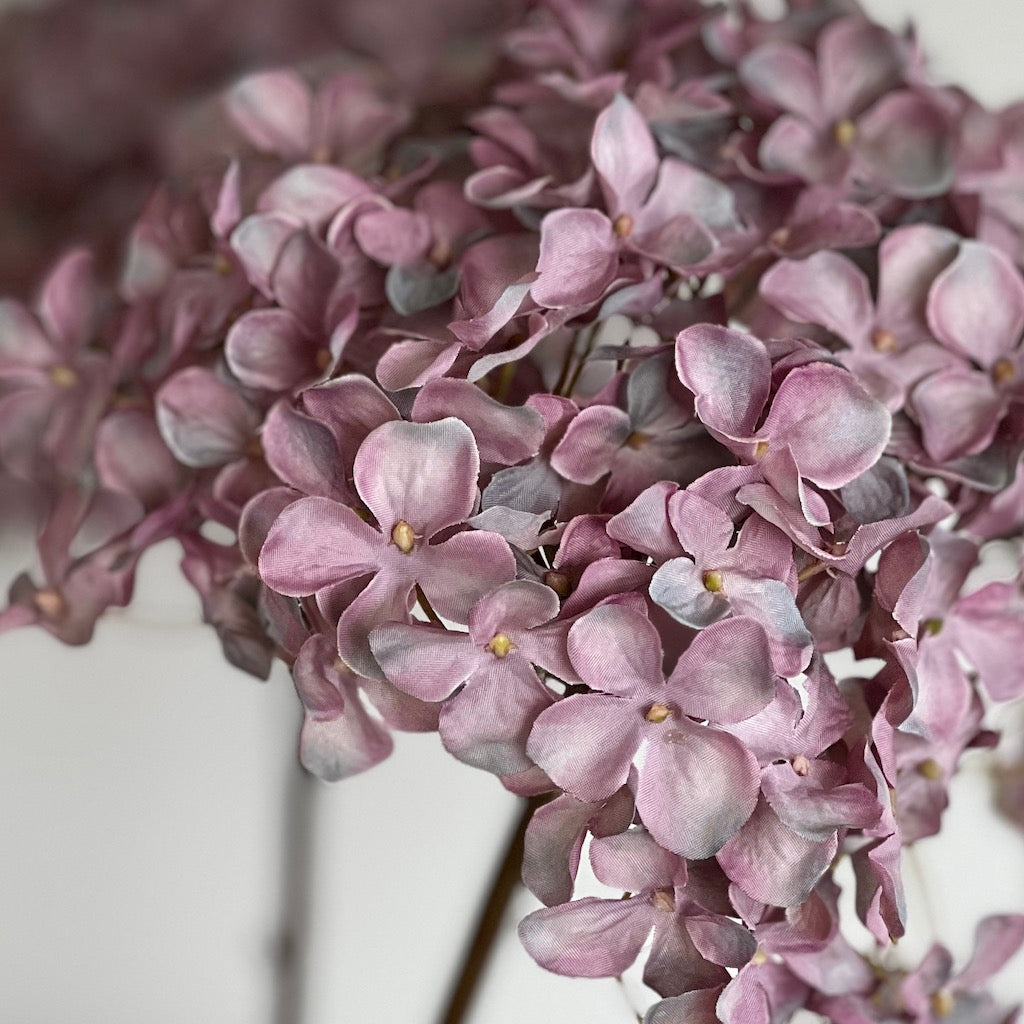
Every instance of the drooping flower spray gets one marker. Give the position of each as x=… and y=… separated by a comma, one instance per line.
x=583, y=412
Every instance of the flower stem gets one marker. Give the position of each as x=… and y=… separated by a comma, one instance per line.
x=488, y=921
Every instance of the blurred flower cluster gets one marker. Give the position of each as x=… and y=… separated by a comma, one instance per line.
x=576, y=399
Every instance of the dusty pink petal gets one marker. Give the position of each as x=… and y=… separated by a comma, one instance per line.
x=426, y=662
x=338, y=748
x=387, y=598
x=269, y=348
x=813, y=810
x=697, y=1007
x=681, y=241
x=826, y=289
x=772, y=863
x=785, y=75
x=460, y=572
x=519, y=605
x=487, y=724
x=976, y=305
x=616, y=650
x=996, y=939
x=792, y=146
x=302, y=452
x=904, y=144
x=132, y=457
x=634, y=862
x=833, y=427
x=959, y=411
x=412, y=363
x=772, y=604
x=504, y=434
x=22, y=340
x=729, y=373
x=586, y=744
x=393, y=237
x=644, y=525
x=316, y=542
x=272, y=110
x=674, y=964
x=67, y=301
x=579, y=255
x=303, y=278
x=725, y=675
x=551, y=852
x=317, y=680
x=682, y=188
x=624, y=155
x=721, y=941
x=697, y=788
x=704, y=530
x=858, y=62
x=588, y=938
x=815, y=226
x=678, y=587
x=257, y=243
x=351, y=406
x=590, y=444
x=312, y=193
x=989, y=629
x=421, y=473
x=202, y=419
x=910, y=258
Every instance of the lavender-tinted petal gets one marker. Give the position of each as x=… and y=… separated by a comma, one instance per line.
x=729, y=373
x=590, y=443
x=421, y=473
x=579, y=255
x=412, y=363
x=721, y=940
x=616, y=650
x=586, y=744
x=393, y=237
x=725, y=675
x=697, y=788
x=697, y=1007
x=633, y=861
x=704, y=529
x=413, y=289
x=976, y=305
x=675, y=965
x=814, y=811
x=303, y=278
x=504, y=434
x=785, y=75
x=460, y=572
x=423, y=661
x=858, y=62
x=904, y=145
x=312, y=193
x=772, y=863
x=881, y=492
x=772, y=604
x=269, y=348
x=996, y=939
x=519, y=605
x=257, y=242
x=302, y=452
x=623, y=153
x=644, y=524
x=132, y=457
x=551, y=852
x=337, y=748
x=959, y=411
x=272, y=110
x=487, y=724
x=202, y=419
x=588, y=938
x=825, y=289
x=822, y=403
x=66, y=301
x=387, y=598
x=316, y=542
x=681, y=241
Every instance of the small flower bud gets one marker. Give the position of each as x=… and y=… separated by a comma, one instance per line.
x=402, y=536
x=933, y=627
x=65, y=377
x=499, y=645
x=323, y=359
x=714, y=581
x=930, y=769
x=801, y=765
x=50, y=602
x=657, y=713
x=1003, y=371
x=845, y=132
x=664, y=900
x=637, y=439
x=943, y=1003
x=884, y=341
x=558, y=582
x=760, y=449
x=780, y=236
x=623, y=225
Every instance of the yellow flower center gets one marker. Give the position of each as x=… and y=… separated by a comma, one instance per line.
x=884, y=341
x=1003, y=371
x=65, y=377
x=714, y=581
x=943, y=1003
x=499, y=645
x=623, y=225
x=801, y=765
x=760, y=449
x=657, y=713
x=50, y=602
x=664, y=900
x=930, y=769
x=845, y=132
x=933, y=627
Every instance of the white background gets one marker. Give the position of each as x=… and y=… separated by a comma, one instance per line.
x=144, y=787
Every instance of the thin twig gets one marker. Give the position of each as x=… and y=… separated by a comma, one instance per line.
x=488, y=922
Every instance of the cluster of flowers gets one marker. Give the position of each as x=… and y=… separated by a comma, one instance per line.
x=581, y=427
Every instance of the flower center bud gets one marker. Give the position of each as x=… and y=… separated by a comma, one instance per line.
x=780, y=236
x=558, y=582
x=845, y=132
x=254, y=449
x=759, y=957
x=1003, y=371
x=933, y=627
x=499, y=645
x=664, y=900
x=623, y=225
x=943, y=1003
x=801, y=765
x=637, y=439
x=222, y=265
x=760, y=449
x=50, y=602
x=440, y=254
x=65, y=377
x=323, y=359
x=657, y=713
x=714, y=581
x=402, y=536
x=322, y=154
x=930, y=769
x=884, y=341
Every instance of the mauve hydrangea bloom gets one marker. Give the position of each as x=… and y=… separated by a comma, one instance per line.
x=577, y=418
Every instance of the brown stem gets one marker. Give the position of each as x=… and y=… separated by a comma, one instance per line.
x=488, y=922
